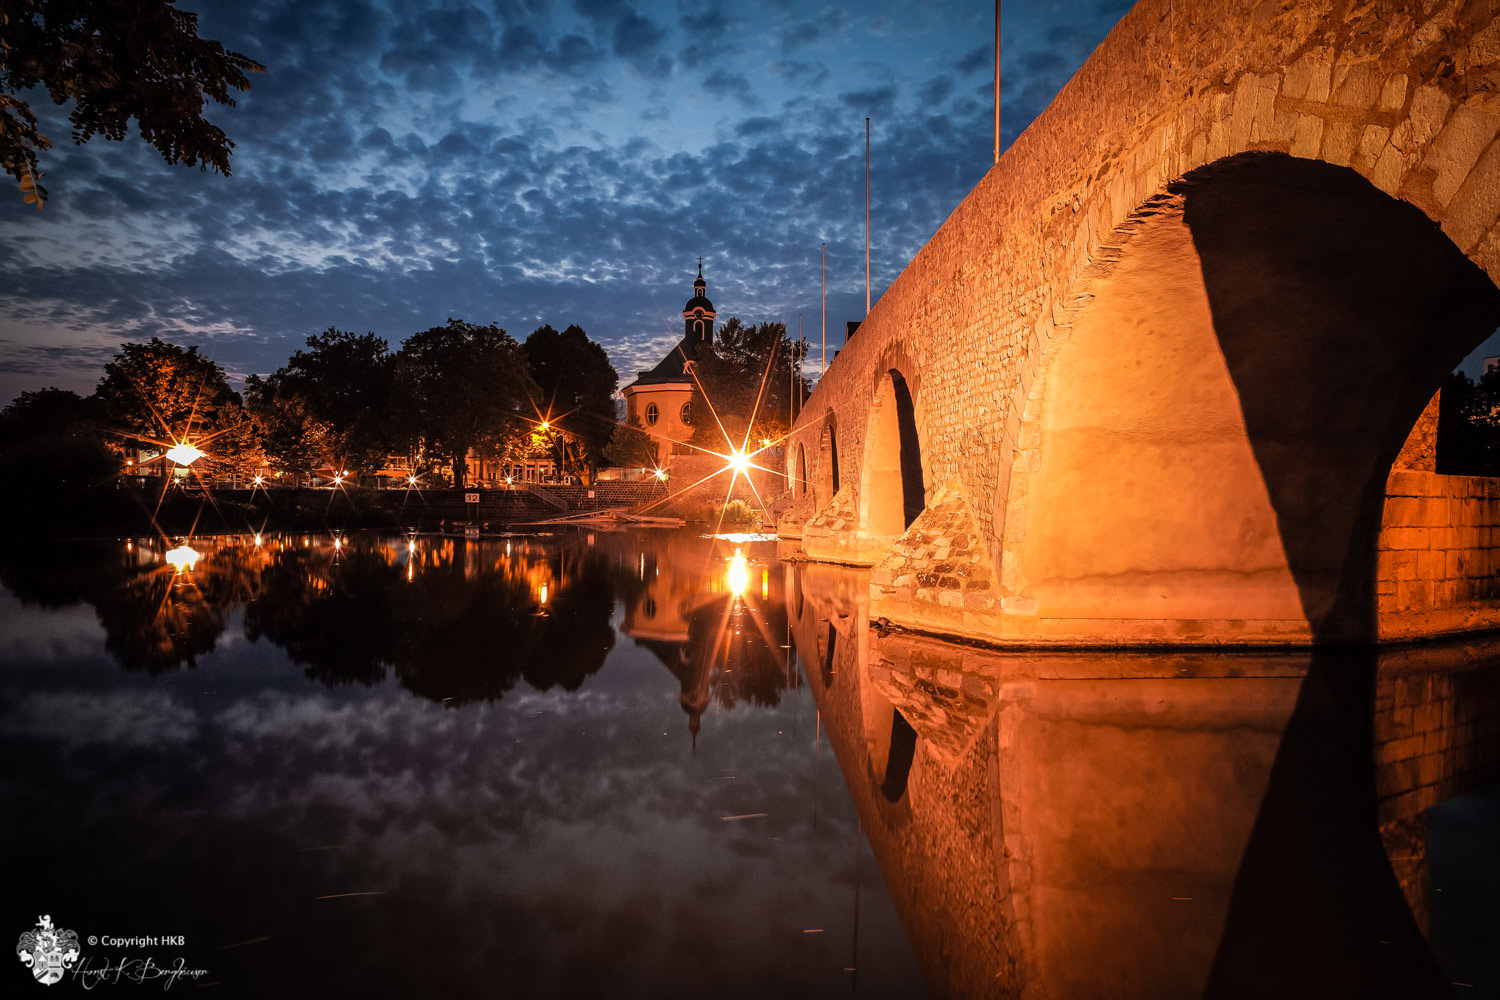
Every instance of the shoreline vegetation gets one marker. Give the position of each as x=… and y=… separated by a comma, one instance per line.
x=124, y=509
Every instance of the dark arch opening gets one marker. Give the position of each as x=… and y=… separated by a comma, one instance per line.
x=800, y=484
x=893, y=493
x=1218, y=430
x=830, y=648
x=1340, y=310
x=828, y=466
x=913, y=489
x=898, y=760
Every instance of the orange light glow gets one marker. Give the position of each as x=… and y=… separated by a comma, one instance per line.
x=738, y=577
x=183, y=453
x=183, y=558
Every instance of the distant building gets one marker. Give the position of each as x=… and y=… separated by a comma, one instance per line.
x=1490, y=364
x=660, y=401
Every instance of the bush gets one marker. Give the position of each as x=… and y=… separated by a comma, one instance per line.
x=738, y=512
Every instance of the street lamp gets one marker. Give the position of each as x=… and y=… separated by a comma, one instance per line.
x=183, y=453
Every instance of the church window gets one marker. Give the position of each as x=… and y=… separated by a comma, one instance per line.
x=651, y=414
x=686, y=413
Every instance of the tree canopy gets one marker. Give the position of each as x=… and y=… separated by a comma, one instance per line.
x=748, y=370
x=1468, y=442
x=326, y=407
x=631, y=447
x=115, y=61
x=156, y=394
x=577, y=387
x=461, y=388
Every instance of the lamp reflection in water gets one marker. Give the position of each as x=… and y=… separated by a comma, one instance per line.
x=183, y=558
x=739, y=574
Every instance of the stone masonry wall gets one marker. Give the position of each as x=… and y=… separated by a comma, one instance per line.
x=1438, y=568
x=1404, y=93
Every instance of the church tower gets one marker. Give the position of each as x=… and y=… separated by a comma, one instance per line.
x=698, y=315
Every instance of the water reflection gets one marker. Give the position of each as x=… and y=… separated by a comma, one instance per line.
x=455, y=620
x=1045, y=824
x=1096, y=825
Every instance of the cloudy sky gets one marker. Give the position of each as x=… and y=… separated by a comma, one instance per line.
x=524, y=162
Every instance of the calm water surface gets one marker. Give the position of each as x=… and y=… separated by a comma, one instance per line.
x=660, y=764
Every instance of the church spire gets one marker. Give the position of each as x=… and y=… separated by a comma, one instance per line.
x=698, y=315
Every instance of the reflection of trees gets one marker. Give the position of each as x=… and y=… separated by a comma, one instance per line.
x=160, y=620
x=332, y=617
x=456, y=622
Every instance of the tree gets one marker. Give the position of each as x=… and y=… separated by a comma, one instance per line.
x=328, y=405
x=157, y=394
x=115, y=61
x=748, y=370
x=464, y=388
x=48, y=439
x=632, y=448
x=1468, y=442
x=50, y=412
x=577, y=385
x=294, y=441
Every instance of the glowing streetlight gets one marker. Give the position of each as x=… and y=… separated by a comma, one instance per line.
x=183, y=453
x=183, y=558
x=260, y=480
x=739, y=461
x=257, y=539
x=412, y=480
x=661, y=474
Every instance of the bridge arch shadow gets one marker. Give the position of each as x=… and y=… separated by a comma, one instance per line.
x=893, y=491
x=1215, y=435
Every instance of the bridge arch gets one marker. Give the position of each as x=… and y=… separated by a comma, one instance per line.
x=1174, y=101
x=892, y=485
x=1211, y=441
x=826, y=483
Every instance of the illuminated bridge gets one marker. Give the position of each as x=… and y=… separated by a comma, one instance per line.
x=1151, y=381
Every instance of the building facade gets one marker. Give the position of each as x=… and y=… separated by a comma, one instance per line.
x=660, y=401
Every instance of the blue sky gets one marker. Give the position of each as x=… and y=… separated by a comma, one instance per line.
x=524, y=162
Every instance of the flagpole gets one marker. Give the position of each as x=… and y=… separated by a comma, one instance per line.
x=825, y=315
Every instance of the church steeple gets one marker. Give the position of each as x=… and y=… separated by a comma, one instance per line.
x=698, y=315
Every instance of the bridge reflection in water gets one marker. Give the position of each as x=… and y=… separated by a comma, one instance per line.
x=1130, y=824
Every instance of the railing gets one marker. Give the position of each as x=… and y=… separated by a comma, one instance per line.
x=546, y=497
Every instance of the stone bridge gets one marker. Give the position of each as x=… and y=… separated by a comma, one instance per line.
x=1148, y=381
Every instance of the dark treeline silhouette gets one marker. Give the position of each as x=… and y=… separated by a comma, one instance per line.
x=345, y=403
x=1468, y=441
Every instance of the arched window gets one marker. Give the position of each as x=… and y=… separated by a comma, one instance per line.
x=686, y=413
x=651, y=414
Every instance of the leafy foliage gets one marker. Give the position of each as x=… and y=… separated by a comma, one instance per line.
x=115, y=61
x=326, y=408
x=1468, y=441
x=461, y=388
x=632, y=448
x=50, y=412
x=155, y=394
x=577, y=386
x=730, y=376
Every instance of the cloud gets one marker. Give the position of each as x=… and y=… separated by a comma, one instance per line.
x=400, y=163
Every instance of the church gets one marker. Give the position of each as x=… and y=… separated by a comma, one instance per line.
x=660, y=401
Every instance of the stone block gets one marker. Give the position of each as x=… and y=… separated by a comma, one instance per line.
x=1457, y=149
x=1473, y=208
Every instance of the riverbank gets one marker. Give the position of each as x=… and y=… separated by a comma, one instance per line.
x=138, y=509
